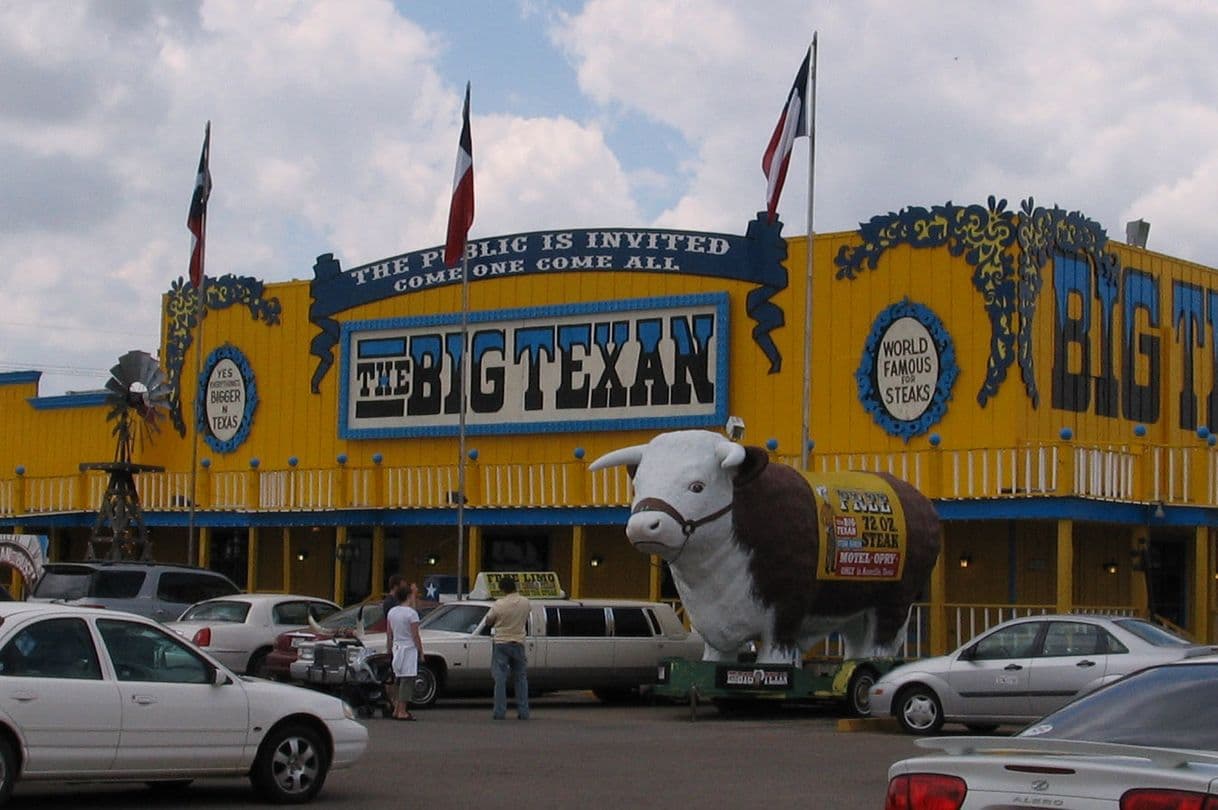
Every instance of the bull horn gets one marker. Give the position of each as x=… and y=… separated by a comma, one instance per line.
x=315, y=627
x=358, y=630
x=730, y=454
x=625, y=457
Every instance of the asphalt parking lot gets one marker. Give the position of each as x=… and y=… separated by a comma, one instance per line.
x=577, y=753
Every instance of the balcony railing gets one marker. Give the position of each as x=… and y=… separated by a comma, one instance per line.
x=1139, y=474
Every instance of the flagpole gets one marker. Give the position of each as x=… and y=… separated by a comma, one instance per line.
x=462, y=379
x=202, y=191
x=191, y=559
x=807, y=398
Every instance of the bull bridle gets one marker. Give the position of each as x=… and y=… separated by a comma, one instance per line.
x=688, y=527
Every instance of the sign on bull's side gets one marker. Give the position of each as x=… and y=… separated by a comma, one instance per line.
x=862, y=527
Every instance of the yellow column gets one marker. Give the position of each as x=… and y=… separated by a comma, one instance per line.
x=1202, y=581
x=1140, y=541
x=655, y=578
x=251, y=561
x=287, y=559
x=16, y=581
x=204, y=549
x=340, y=567
x=577, y=562
x=475, y=554
x=1065, y=566
x=378, y=558
x=938, y=607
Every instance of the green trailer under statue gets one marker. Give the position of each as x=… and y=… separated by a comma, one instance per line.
x=845, y=682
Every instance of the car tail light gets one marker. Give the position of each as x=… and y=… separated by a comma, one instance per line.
x=925, y=791
x=202, y=637
x=1157, y=799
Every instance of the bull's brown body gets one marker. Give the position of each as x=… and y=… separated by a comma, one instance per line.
x=774, y=517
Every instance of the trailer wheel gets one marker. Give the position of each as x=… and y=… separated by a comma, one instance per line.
x=858, y=694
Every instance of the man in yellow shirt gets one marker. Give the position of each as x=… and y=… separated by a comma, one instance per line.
x=509, y=617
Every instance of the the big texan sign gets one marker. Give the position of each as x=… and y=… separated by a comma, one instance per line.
x=604, y=365
x=625, y=364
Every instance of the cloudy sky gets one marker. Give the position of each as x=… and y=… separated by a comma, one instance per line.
x=334, y=129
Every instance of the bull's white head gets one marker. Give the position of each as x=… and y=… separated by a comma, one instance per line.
x=682, y=489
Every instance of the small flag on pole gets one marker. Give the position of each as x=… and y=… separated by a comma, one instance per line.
x=196, y=220
x=461, y=213
x=792, y=124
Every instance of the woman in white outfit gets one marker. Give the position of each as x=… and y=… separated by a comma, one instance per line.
x=405, y=646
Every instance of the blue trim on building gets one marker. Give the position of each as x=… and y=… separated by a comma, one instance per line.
x=19, y=377
x=85, y=399
x=1078, y=509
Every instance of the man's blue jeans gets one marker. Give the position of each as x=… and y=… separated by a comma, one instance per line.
x=505, y=658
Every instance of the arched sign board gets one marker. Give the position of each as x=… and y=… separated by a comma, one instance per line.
x=26, y=553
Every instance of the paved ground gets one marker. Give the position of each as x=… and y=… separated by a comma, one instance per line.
x=578, y=753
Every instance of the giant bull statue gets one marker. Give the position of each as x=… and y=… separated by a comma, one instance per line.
x=761, y=552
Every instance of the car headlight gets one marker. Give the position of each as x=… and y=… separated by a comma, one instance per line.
x=305, y=652
x=354, y=654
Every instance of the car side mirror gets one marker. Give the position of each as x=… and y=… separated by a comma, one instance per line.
x=218, y=677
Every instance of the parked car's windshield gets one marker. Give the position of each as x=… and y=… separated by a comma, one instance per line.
x=1168, y=707
x=1153, y=633
x=79, y=581
x=456, y=618
x=345, y=618
x=217, y=612
x=63, y=583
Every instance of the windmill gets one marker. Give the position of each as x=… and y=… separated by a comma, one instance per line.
x=137, y=395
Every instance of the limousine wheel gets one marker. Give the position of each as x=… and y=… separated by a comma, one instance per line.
x=426, y=687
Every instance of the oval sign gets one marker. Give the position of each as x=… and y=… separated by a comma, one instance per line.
x=906, y=369
x=226, y=400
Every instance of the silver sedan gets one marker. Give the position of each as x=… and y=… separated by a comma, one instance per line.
x=1146, y=742
x=240, y=630
x=1023, y=669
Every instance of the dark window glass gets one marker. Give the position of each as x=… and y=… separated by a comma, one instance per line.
x=139, y=652
x=1152, y=633
x=581, y=621
x=64, y=582
x=117, y=584
x=631, y=622
x=1073, y=638
x=188, y=587
x=457, y=618
x=290, y=613
x=218, y=612
x=1167, y=707
x=55, y=648
x=1010, y=642
x=1112, y=645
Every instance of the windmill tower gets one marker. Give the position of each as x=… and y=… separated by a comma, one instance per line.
x=138, y=396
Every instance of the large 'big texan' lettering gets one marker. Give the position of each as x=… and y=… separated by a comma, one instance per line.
x=565, y=366
x=1085, y=322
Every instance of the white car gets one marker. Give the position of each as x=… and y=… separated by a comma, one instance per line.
x=1022, y=669
x=239, y=631
x=90, y=694
x=1146, y=742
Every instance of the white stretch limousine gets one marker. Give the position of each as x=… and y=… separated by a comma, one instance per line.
x=612, y=647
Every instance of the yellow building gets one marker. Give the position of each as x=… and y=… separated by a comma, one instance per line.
x=1050, y=389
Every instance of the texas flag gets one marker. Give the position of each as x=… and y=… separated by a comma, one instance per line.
x=196, y=220
x=791, y=124
x=461, y=213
